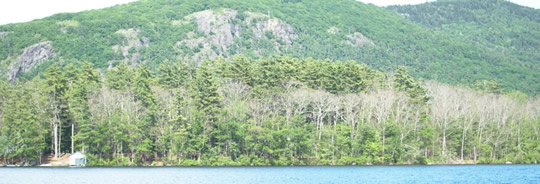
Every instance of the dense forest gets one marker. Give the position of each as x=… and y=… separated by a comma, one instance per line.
x=459, y=42
x=497, y=25
x=274, y=82
x=268, y=111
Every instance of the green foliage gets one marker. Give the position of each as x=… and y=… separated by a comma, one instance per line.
x=489, y=86
x=204, y=92
x=172, y=75
x=239, y=69
x=507, y=31
x=143, y=92
x=455, y=41
x=120, y=77
x=405, y=83
x=269, y=111
x=22, y=131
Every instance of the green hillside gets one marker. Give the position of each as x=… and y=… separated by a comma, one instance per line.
x=151, y=32
x=497, y=26
x=311, y=82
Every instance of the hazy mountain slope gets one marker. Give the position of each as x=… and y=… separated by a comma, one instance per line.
x=497, y=25
x=153, y=31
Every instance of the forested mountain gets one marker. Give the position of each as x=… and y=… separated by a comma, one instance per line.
x=273, y=82
x=151, y=32
x=500, y=26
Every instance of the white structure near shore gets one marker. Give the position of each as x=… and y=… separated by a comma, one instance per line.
x=77, y=159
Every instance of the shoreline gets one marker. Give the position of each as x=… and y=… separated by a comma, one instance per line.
x=254, y=166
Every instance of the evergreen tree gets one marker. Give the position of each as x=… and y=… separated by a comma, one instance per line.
x=84, y=83
x=120, y=77
x=22, y=127
x=172, y=74
x=356, y=77
x=205, y=94
x=267, y=75
x=56, y=86
x=239, y=69
x=207, y=101
x=406, y=83
x=488, y=86
x=146, y=97
x=311, y=73
x=142, y=89
x=180, y=127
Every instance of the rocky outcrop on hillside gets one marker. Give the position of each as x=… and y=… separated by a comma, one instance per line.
x=333, y=30
x=218, y=30
x=358, y=39
x=3, y=35
x=31, y=57
x=218, y=33
x=280, y=29
x=131, y=46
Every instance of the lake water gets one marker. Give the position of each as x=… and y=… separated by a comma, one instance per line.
x=348, y=174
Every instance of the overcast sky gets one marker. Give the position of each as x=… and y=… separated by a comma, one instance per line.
x=13, y=11
x=530, y=3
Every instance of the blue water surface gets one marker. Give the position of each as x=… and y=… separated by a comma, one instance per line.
x=345, y=174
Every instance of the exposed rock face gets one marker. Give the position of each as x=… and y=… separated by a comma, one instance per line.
x=132, y=40
x=280, y=29
x=333, y=30
x=220, y=28
x=3, y=35
x=358, y=39
x=219, y=33
x=30, y=58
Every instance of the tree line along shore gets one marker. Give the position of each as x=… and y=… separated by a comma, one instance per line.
x=267, y=111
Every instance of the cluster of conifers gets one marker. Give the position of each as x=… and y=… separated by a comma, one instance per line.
x=269, y=111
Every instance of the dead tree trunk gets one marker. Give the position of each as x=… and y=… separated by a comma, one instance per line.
x=72, y=136
x=55, y=140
